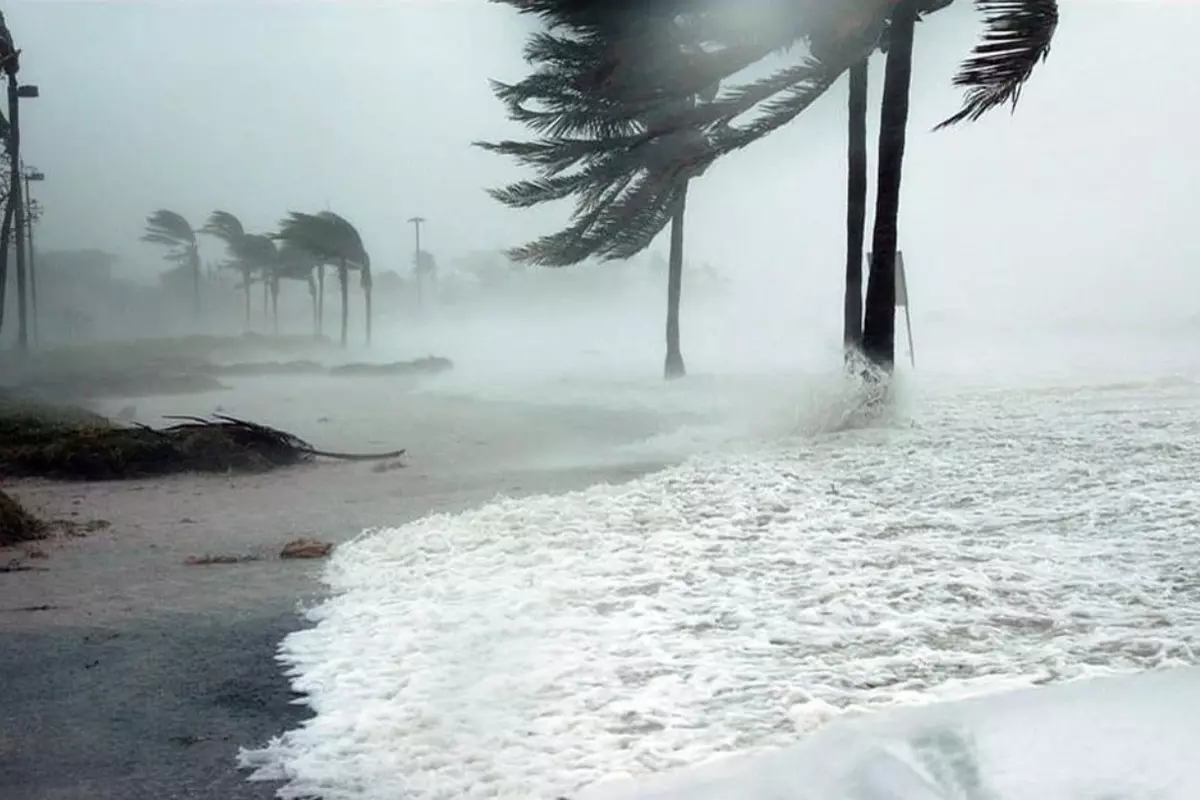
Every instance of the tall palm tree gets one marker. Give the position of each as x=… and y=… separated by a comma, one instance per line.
x=575, y=125
x=626, y=81
x=332, y=240
x=172, y=230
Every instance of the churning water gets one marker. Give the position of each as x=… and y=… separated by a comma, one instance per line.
x=988, y=534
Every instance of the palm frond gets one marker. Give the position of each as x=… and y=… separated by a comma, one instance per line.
x=327, y=236
x=224, y=226
x=1017, y=37
x=166, y=224
x=255, y=250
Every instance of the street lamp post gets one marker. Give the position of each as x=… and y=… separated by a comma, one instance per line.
x=16, y=93
x=31, y=207
x=416, y=223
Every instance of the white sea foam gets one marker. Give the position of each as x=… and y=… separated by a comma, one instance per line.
x=987, y=538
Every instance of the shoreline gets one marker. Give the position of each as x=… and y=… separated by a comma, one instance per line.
x=133, y=675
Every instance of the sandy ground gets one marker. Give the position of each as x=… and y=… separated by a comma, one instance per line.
x=130, y=674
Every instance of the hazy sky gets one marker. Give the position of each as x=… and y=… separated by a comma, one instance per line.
x=256, y=107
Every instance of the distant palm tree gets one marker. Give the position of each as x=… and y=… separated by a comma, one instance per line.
x=332, y=240
x=296, y=264
x=229, y=229
x=170, y=229
x=260, y=252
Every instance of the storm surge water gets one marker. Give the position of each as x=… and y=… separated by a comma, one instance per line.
x=997, y=529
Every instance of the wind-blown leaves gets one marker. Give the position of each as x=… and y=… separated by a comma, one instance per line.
x=169, y=228
x=1016, y=39
x=623, y=96
x=224, y=226
x=330, y=238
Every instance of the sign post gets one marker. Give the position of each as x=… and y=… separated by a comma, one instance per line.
x=902, y=302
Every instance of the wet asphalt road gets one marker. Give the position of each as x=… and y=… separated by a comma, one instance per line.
x=149, y=710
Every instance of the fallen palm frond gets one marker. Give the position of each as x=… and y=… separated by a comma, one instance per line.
x=32, y=445
x=16, y=524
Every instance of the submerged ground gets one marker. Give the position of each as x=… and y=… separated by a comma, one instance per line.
x=129, y=674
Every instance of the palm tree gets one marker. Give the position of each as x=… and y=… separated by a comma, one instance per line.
x=229, y=229
x=257, y=253
x=296, y=264
x=331, y=239
x=574, y=126
x=626, y=80
x=172, y=230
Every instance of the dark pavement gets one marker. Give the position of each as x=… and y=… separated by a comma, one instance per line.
x=149, y=710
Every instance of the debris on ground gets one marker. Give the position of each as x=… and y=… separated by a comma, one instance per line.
x=306, y=548
x=37, y=441
x=16, y=524
x=209, y=560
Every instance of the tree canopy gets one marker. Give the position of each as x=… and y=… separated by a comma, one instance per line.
x=623, y=96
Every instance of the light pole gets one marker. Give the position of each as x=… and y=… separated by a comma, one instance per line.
x=31, y=217
x=16, y=93
x=416, y=223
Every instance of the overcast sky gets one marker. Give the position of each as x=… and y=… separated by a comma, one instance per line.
x=256, y=107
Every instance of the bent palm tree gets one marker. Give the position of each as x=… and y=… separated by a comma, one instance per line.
x=331, y=239
x=576, y=128
x=172, y=230
x=627, y=82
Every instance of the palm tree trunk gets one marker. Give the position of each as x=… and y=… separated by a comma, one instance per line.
x=367, y=292
x=674, y=367
x=344, y=284
x=266, y=281
x=856, y=209
x=312, y=295
x=275, y=304
x=5, y=238
x=879, y=328
x=246, y=283
x=194, y=253
x=320, y=301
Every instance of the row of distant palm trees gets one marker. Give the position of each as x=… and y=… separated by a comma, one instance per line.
x=301, y=250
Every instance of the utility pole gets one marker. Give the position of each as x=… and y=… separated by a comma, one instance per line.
x=32, y=212
x=416, y=223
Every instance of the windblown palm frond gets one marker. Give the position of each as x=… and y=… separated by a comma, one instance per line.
x=256, y=250
x=295, y=263
x=329, y=237
x=1017, y=37
x=628, y=104
x=347, y=238
x=224, y=226
x=169, y=228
